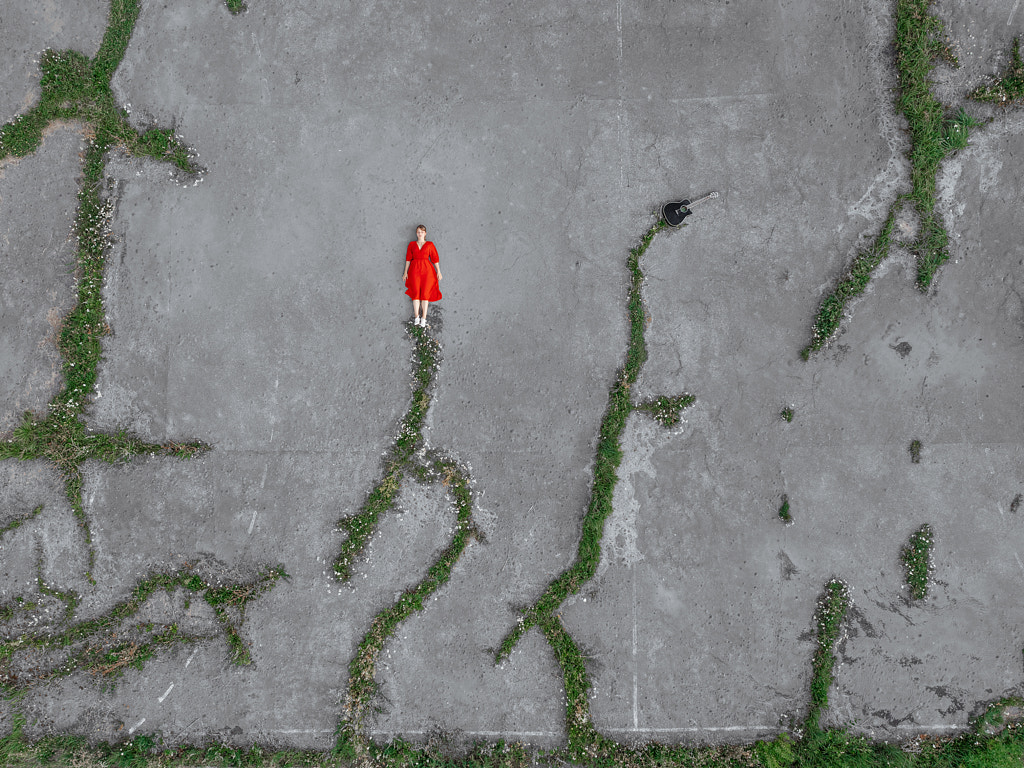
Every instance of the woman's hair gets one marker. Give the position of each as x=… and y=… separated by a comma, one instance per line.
x=421, y=226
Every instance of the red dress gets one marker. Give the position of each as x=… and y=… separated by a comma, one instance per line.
x=421, y=284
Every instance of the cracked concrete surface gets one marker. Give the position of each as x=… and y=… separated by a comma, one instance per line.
x=259, y=310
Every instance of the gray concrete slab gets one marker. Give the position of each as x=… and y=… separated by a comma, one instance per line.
x=27, y=29
x=37, y=246
x=260, y=310
x=712, y=489
x=223, y=515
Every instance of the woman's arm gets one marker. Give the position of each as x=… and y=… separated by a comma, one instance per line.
x=437, y=262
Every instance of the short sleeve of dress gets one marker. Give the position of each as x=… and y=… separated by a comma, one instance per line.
x=433, y=254
x=408, y=252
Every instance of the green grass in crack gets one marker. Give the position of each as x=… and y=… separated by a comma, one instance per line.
x=17, y=522
x=108, y=645
x=77, y=88
x=1009, y=88
x=916, y=556
x=934, y=135
x=606, y=463
x=361, y=685
x=832, y=607
x=360, y=527
x=830, y=313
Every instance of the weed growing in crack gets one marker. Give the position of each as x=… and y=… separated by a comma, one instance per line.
x=360, y=527
x=915, y=451
x=75, y=87
x=832, y=607
x=918, y=46
x=585, y=743
x=10, y=609
x=917, y=561
x=1007, y=89
x=933, y=137
x=830, y=314
x=606, y=462
x=17, y=522
x=361, y=685
x=70, y=598
x=665, y=410
x=108, y=645
x=787, y=414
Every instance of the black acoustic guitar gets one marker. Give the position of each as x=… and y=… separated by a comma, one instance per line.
x=674, y=213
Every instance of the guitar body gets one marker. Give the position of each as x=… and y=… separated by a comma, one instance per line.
x=674, y=213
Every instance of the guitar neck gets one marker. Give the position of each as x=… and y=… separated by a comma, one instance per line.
x=709, y=196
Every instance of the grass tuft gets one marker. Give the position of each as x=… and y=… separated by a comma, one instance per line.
x=915, y=451
x=784, y=514
x=666, y=410
x=917, y=561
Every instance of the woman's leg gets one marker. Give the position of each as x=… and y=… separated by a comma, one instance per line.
x=416, y=307
x=424, y=304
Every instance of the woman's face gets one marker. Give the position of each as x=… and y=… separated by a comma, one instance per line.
x=421, y=234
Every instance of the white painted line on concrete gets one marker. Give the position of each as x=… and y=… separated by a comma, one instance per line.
x=252, y=522
x=1012, y=12
x=698, y=729
x=132, y=729
x=305, y=730
x=191, y=656
x=636, y=695
x=716, y=99
x=169, y=689
x=485, y=734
